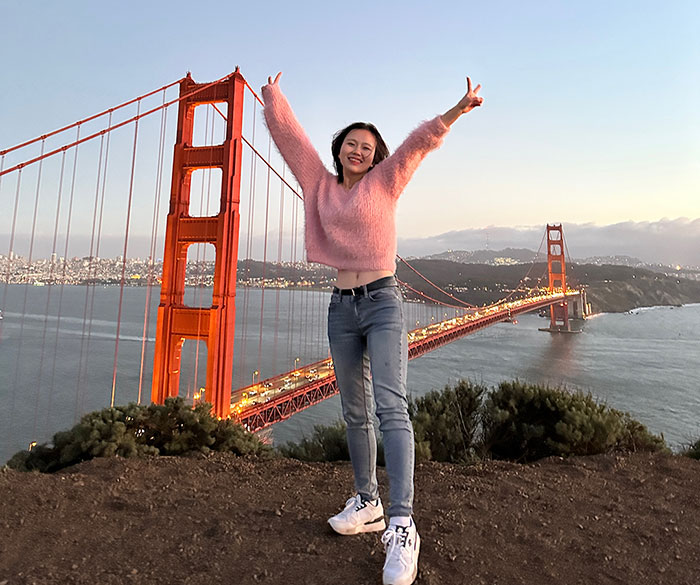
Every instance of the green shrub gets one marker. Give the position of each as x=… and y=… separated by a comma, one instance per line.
x=636, y=437
x=515, y=421
x=446, y=424
x=135, y=430
x=692, y=450
x=326, y=443
x=524, y=422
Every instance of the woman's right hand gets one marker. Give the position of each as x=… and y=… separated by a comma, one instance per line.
x=277, y=78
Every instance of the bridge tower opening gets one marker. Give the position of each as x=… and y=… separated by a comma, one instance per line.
x=556, y=268
x=214, y=324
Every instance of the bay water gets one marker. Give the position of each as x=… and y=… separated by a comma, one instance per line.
x=646, y=362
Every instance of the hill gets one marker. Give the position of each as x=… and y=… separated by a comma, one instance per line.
x=221, y=519
x=610, y=288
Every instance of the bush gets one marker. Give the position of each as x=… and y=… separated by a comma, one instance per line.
x=692, y=450
x=134, y=430
x=327, y=443
x=446, y=424
x=525, y=422
x=515, y=421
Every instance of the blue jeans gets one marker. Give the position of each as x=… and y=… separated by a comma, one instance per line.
x=369, y=348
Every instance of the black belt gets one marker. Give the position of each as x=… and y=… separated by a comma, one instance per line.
x=366, y=288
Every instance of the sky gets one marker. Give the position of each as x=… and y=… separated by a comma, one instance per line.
x=590, y=113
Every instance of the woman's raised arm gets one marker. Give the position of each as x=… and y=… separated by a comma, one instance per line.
x=291, y=139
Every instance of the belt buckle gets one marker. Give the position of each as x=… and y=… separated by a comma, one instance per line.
x=353, y=292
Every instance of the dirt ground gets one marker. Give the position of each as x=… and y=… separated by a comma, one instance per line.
x=631, y=519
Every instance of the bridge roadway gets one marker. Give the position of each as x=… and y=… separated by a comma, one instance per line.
x=275, y=399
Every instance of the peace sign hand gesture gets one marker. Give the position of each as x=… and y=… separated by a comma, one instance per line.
x=470, y=101
x=270, y=81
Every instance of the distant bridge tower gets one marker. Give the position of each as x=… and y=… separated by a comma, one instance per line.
x=556, y=267
x=215, y=324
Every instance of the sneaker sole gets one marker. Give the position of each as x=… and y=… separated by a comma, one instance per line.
x=374, y=526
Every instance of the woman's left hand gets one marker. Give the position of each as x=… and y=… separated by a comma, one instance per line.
x=471, y=100
x=466, y=104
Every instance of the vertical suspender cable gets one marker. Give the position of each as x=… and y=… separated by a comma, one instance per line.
x=26, y=284
x=53, y=266
x=98, y=241
x=249, y=242
x=90, y=284
x=292, y=259
x=293, y=250
x=10, y=252
x=69, y=220
x=280, y=231
x=50, y=284
x=264, y=273
x=126, y=243
x=10, y=258
x=154, y=239
x=2, y=166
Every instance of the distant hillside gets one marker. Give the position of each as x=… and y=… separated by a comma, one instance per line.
x=495, y=257
x=526, y=256
x=610, y=288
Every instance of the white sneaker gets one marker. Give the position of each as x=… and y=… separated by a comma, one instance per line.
x=402, y=545
x=359, y=516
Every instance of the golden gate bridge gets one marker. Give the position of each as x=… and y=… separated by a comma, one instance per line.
x=96, y=187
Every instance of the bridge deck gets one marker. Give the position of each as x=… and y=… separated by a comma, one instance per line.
x=260, y=405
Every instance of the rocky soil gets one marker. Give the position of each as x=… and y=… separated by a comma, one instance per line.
x=631, y=519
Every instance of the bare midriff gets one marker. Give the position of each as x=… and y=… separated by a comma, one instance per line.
x=352, y=278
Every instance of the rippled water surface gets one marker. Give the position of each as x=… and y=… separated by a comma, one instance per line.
x=646, y=362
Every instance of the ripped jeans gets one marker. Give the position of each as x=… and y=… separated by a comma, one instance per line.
x=369, y=348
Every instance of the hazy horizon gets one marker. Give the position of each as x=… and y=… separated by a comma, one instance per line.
x=668, y=242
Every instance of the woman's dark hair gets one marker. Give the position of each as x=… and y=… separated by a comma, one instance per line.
x=381, y=151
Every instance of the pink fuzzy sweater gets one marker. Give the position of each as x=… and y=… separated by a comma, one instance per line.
x=348, y=229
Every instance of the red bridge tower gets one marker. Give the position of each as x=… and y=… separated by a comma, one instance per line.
x=176, y=321
x=556, y=267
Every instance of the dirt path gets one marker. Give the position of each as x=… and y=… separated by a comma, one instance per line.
x=631, y=519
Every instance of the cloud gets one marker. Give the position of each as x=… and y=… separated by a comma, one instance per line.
x=667, y=241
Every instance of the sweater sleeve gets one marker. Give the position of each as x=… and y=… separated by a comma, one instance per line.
x=291, y=140
x=397, y=170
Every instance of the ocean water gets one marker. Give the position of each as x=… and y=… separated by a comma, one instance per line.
x=646, y=363
x=57, y=363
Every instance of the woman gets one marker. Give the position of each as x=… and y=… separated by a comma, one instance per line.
x=350, y=225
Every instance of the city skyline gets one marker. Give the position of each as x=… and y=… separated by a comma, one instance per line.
x=667, y=242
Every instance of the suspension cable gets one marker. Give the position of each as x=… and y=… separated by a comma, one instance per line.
x=433, y=284
x=126, y=243
x=90, y=118
x=116, y=126
x=152, y=248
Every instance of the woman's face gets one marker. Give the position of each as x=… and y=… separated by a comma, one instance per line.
x=357, y=152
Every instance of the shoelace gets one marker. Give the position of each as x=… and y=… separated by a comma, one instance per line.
x=358, y=506
x=395, y=541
